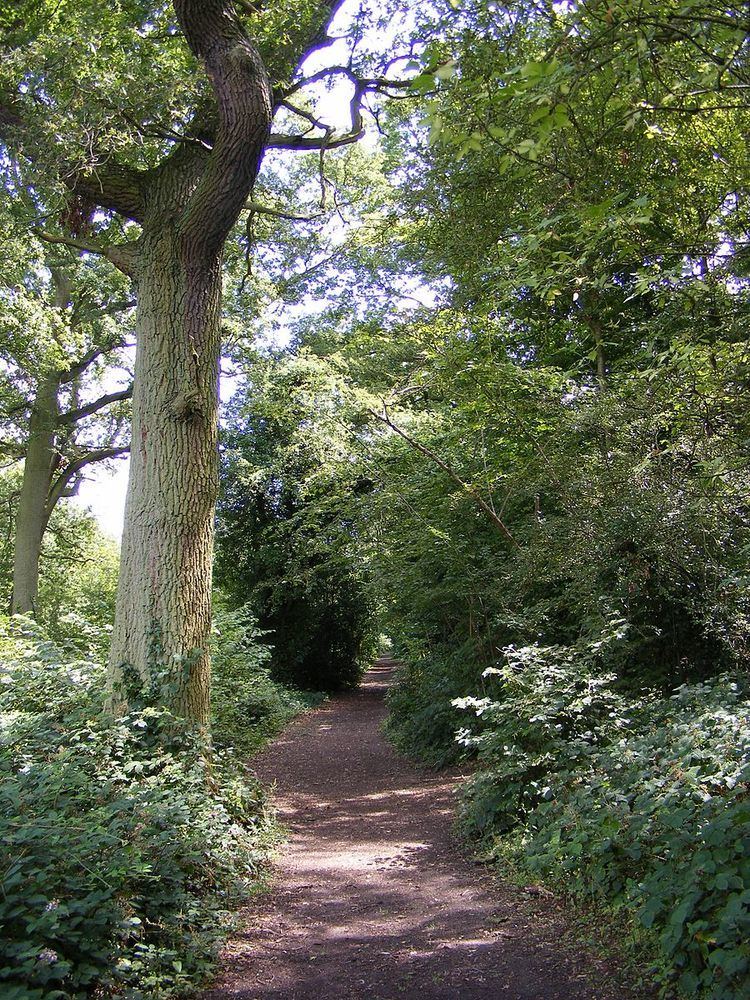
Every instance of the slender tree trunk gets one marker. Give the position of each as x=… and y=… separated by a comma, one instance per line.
x=32, y=512
x=595, y=328
x=163, y=617
x=601, y=363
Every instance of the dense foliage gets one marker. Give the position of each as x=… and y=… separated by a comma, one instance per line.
x=127, y=846
x=639, y=803
x=576, y=565
x=544, y=385
x=507, y=428
x=286, y=540
x=78, y=572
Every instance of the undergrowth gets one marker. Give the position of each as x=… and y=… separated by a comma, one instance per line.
x=127, y=844
x=636, y=804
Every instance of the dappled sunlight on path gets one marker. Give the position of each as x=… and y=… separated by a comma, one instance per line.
x=372, y=898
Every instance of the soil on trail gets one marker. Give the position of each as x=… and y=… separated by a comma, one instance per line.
x=372, y=898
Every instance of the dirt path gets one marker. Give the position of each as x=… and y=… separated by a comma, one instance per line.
x=372, y=898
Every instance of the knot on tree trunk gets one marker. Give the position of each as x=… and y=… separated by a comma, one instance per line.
x=187, y=406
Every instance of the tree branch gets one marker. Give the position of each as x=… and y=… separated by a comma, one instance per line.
x=121, y=256
x=328, y=140
x=256, y=208
x=72, y=416
x=59, y=488
x=449, y=470
x=301, y=142
x=88, y=359
x=376, y=83
x=244, y=102
x=88, y=309
x=108, y=184
x=113, y=186
x=15, y=451
x=362, y=86
x=88, y=246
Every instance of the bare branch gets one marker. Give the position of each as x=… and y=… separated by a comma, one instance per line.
x=307, y=115
x=449, y=470
x=378, y=83
x=300, y=142
x=259, y=209
x=328, y=140
x=362, y=86
x=72, y=416
x=61, y=485
x=88, y=246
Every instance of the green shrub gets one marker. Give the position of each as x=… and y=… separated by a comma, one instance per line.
x=638, y=805
x=38, y=675
x=126, y=844
x=123, y=853
x=555, y=709
x=421, y=720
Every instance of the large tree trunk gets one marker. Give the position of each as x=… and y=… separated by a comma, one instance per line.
x=163, y=618
x=32, y=513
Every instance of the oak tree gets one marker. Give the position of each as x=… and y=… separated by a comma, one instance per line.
x=142, y=129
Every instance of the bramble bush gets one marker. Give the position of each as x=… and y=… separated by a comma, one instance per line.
x=124, y=853
x=126, y=846
x=555, y=707
x=641, y=804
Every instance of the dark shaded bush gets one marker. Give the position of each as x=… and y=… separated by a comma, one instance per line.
x=248, y=706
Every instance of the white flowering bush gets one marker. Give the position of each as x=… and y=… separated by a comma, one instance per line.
x=642, y=804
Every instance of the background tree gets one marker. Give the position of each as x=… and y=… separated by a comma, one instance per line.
x=65, y=328
x=287, y=534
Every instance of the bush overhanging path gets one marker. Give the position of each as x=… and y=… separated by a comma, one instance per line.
x=372, y=898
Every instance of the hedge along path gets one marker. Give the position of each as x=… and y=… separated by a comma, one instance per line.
x=372, y=897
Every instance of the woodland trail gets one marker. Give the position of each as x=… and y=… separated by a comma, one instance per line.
x=372, y=897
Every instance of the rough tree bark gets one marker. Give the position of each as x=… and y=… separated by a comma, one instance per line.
x=163, y=617
x=32, y=514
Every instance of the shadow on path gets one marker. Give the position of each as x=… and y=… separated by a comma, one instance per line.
x=372, y=898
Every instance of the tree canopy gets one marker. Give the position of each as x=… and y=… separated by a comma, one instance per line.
x=478, y=276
